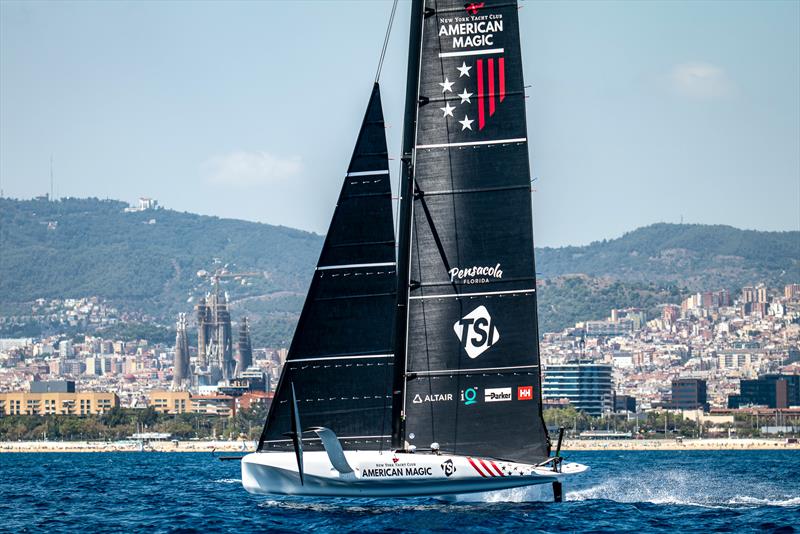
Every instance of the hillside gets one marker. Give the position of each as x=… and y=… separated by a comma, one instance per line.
x=697, y=256
x=144, y=261
x=147, y=262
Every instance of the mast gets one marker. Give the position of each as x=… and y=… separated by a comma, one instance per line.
x=404, y=221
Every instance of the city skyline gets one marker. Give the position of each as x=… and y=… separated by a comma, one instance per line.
x=693, y=104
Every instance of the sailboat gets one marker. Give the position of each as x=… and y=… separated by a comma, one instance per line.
x=414, y=368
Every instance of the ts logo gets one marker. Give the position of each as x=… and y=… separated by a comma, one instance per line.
x=476, y=332
x=448, y=468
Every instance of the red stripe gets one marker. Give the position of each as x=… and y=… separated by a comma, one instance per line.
x=481, y=119
x=476, y=467
x=486, y=467
x=501, y=64
x=491, y=87
x=497, y=468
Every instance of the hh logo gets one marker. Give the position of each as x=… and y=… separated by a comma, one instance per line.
x=525, y=393
x=476, y=332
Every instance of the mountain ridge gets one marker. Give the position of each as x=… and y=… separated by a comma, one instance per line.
x=148, y=260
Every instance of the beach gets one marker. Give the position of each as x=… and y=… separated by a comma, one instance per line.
x=239, y=446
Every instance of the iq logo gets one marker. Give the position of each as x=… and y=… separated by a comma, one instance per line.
x=469, y=396
x=476, y=332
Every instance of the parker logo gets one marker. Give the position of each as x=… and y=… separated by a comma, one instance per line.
x=475, y=274
x=476, y=332
x=525, y=393
x=449, y=468
x=497, y=394
x=432, y=397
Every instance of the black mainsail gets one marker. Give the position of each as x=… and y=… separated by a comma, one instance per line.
x=440, y=346
x=341, y=357
x=471, y=357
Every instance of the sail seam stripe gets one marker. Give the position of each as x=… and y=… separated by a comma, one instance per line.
x=362, y=244
x=318, y=439
x=450, y=284
x=324, y=358
x=355, y=266
x=465, y=371
x=460, y=295
x=367, y=173
x=475, y=143
x=476, y=190
x=472, y=52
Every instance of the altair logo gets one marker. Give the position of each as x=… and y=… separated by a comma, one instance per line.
x=476, y=332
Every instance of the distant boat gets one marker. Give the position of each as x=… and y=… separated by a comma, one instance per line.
x=417, y=372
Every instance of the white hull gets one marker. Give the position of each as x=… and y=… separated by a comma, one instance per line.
x=387, y=474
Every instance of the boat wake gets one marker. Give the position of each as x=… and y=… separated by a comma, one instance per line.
x=540, y=493
x=681, y=488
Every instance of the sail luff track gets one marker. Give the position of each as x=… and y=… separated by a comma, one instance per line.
x=405, y=215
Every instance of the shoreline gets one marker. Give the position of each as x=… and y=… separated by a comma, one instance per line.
x=242, y=447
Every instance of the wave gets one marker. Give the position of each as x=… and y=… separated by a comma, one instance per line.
x=678, y=487
x=228, y=481
x=539, y=493
x=754, y=501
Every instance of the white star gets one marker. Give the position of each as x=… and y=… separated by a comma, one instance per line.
x=466, y=124
x=448, y=109
x=465, y=96
x=447, y=85
x=463, y=70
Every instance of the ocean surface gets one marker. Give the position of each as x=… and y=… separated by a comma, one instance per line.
x=687, y=491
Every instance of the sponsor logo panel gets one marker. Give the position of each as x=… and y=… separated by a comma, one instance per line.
x=497, y=394
x=432, y=397
x=469, y=396
x=524, y=393
x=404, y=469
x=476, y=332
x=475, y=274
x=448, y=468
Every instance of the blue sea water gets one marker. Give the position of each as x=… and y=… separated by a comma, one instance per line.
x=687, y=491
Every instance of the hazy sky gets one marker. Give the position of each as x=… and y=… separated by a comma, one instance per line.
x=639, y=112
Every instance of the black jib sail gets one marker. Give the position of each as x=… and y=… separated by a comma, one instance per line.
x=472, y=377
x=341, y=358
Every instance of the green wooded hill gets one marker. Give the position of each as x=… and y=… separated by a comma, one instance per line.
x=145, y=261
x=148, y=262
x=694, y=255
